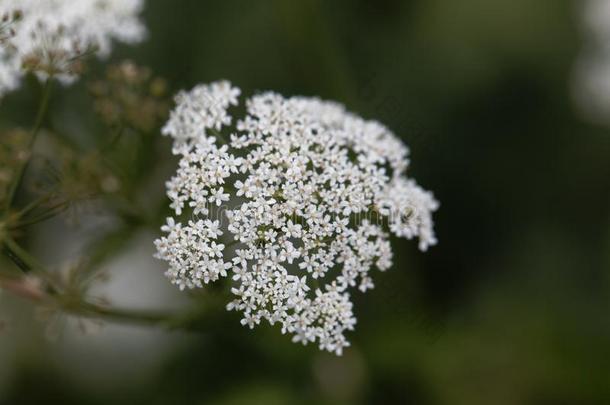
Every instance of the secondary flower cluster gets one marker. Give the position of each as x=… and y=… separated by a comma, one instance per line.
x=50, y=37
x=311, y=194
x=129, y=95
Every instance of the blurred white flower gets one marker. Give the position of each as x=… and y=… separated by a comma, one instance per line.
x=49, y=37
x=313, y=194
x=592, y=84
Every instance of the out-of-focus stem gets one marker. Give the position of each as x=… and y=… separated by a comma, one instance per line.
x=90, y=310
x=26, y=262
x=34, y=204
x=50, y=213
x=42, y=111
x=24, y=257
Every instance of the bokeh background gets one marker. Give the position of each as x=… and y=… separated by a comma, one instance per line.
x=512, y=306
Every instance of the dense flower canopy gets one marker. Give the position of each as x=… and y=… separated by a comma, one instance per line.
x=295, y=202
x=49, y=37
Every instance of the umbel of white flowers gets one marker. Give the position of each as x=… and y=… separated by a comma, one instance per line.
x=311, y=193
x=49, y=37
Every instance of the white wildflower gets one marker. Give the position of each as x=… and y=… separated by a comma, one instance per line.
x=312, y=194
x=50, y=36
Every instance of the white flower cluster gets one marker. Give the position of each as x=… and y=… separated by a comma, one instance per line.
x=49, y=36
x=593, y=70
x=311, y=193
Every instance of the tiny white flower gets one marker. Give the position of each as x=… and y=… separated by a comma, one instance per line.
x=218, y=196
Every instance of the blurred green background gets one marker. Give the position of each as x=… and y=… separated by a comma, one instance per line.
x=512, y=306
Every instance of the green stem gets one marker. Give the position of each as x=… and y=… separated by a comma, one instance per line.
x=219, y=136
x=42, y=110
x=26, y=262
x=21, y=254
x=50, y=213
x=90, y=310
x=35, y=204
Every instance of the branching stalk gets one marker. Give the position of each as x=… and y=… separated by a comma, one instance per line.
x=42, y=111
x=67, y=304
